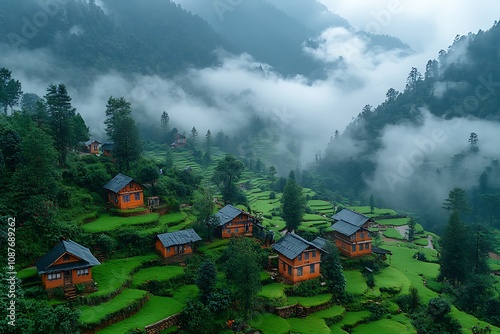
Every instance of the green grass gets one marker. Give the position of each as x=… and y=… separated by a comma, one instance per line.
x=273, y=291
x=163, y=273
x=416, y=271
x=308, y=326
x=185, y=293
x=214, y=248
x=377, y=211
x=93, y=314
x=270, y=324
x=356, y=283
x=394, y=222
x=112, y=274
x=421, y=242
x=350, y=318
x=392, y=278
x=27, y=272
x=386, y=326
x=156, y=309
x=264, y=275
x=172, y=218
x=106, y=222
x=467, y=321
x=331, y=312
x=310, y=301
x=393, y=233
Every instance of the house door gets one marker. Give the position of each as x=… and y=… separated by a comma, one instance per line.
x=176, y=250
x=67, y=277
x=181, y=249
x=246, y=228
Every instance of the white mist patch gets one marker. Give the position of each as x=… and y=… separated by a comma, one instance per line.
x=419, y=158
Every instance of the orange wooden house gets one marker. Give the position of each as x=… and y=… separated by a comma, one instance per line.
x=180, y=141
x=107, y=148
x=299, y=259
x=124, y=192
x=92, y=146
x=232, y=221
x=176, y=243
x=66, y=264
x=352, y=236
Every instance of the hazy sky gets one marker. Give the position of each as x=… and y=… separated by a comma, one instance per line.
x=427, y=26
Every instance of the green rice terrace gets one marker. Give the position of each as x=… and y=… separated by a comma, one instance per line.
x=137, y=291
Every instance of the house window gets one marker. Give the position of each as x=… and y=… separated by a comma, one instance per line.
x=168, y=249
x=312, y=269
x=299, y=271
x=137, y=196
x=290, y=270
x=362, y=235
x=361, y=247
x=53, y=277
x=307, y=255
x=126, y=198
x=354, y=247
x=314, y=253
x=82, y=272
x=283, y=265
x=66, y=257
x=300, y=257
x=130, y=185
x=236, y=230
x=367, y=246
x=353, y=237
x=228, y=231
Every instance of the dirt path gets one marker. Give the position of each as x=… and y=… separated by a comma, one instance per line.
x=495, y=256
x=403, y=230
x=429, y=242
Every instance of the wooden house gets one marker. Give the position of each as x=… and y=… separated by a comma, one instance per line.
x=232, y=221
x=176, y=243
x=180, y=141
x=124, y=192
x=299, y=259
x=66, y=264
x=107, y=148
x=92, y=147
x=352, y=236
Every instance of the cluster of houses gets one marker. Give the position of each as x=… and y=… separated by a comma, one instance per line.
x=93, y=146
x=69, y=263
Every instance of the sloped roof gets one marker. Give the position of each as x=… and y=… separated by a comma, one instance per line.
x=351, y=217
x=292, y=245
x=227, y=213
x=118, y=183
x=345, y=228
x=43, y=265
x=319, y=242
x=108, y=146
x=381, y=251
x=178, y=238
x=88, y=142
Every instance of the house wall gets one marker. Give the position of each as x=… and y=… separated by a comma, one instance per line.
x=173, y=250
x=284, y=263
x=130, y=189
x=361, y=239
x=237, y=226
x=75, y=279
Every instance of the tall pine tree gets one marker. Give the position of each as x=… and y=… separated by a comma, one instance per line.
x=293, y=205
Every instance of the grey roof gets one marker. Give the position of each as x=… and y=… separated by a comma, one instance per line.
x=43, y=265
x=320, y=243
x=351, y=217
x=88, y=142
x=292, y=245
x=345, y=228
x=178, y=238
x=227, y=213
x=108, y=146
x=118, y=183
x=381, y=251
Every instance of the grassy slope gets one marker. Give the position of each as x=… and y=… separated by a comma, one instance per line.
x=163, y=273
x=106, y=222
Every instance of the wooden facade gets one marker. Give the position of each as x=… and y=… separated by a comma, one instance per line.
x=176, y=243
x=351, y=233
x=298, y=259
x=357, y=244
x=68, y=263
x=234, y=222
x=125, y=193
x=93, y=147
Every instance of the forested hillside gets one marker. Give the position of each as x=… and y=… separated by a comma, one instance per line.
x=158, y=39
x=394, y=151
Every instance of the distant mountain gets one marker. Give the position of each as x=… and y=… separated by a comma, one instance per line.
x=275, y=31
x=158, y=38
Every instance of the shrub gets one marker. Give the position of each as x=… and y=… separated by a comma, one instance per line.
x=272, y=195
x=306, y=289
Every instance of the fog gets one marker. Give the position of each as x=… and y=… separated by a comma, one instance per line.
x=225, y=96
